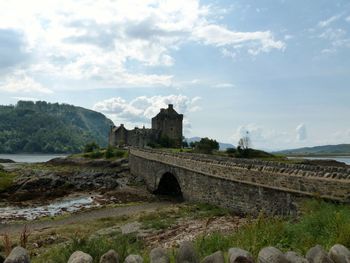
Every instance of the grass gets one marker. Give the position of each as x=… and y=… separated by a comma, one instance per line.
x=6, y=179
x=124, y=244
x=322, y=223
x=165, y=219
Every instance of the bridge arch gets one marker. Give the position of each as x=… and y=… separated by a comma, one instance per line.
x=168, y=184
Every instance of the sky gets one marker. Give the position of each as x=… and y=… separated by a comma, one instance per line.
x=279, y=69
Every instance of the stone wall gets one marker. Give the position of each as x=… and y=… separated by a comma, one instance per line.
x=186, y=253
x=246, y=186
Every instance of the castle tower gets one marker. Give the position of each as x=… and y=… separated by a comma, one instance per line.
x=169, y=123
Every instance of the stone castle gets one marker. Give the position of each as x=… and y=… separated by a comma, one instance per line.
x=166, y=124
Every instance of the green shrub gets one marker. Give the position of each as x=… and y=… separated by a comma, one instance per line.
x=206, y=145
x=109, y=153
x=6, y=179
x=94, y=155
x=90, y=147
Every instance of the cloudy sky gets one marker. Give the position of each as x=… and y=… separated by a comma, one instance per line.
x=279, y=69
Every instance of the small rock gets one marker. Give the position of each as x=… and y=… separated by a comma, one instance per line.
x=237, y=255
x=271, y=255
x=18, y=255
x=186, y=253
x=294, y=257
x=159, y=255
x=110, y=257
x=217, y=257
x=80, y=257
x=339, y=254
x=317, y=254
x=130, y=228
x=133, y=259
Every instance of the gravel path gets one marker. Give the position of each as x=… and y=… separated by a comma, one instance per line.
x=84, y=217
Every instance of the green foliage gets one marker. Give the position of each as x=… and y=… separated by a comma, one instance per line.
x=248, y=153
x=112, y=152
x=185, y=144
x=6, y=179
x=166, y=142
x=124, y=244
x=157, y=221
x=94, y=155
x=108, y=153
x=321, y=223
x=50, y=128
x=206, y=145
x=231, y=152
x=90, y=147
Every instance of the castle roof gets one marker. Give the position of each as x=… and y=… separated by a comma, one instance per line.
x=170, y=111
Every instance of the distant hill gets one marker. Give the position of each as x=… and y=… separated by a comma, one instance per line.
x=223, y=146
x=320, y=150
x=43, y=127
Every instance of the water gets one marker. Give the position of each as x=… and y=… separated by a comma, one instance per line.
x=57, y=207
x=343, y=159
x=30, y=158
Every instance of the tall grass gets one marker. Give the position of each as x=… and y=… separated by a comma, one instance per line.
x=321, y=223
x=96, y=247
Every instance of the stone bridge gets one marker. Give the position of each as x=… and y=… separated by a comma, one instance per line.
x=242, y=185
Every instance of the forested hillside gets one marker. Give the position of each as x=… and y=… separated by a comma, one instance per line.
x=339, y=149
x=43, y=127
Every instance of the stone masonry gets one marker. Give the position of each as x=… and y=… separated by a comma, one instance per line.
x=246, y=186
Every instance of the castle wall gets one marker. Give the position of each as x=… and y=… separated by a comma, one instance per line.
x=169, y=123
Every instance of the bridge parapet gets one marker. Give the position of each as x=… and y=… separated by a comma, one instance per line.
x=307, y=180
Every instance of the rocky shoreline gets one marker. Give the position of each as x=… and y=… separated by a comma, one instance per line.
x=63, y=176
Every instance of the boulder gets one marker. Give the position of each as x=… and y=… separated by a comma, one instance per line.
x=133, y=259
x=159, y=255
x=110, y=257
x=339, y=254
x=317, y=254
x=186, y=253
x=217, y=257
x=294, y=257
x=237, y=255
x=271, y=255
x=18, y=255
x=80, y=257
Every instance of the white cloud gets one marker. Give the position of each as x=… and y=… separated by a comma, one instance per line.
x=347, y=19
x=301, y=132
x=288, y=37
x=98, y=40
x=224, y=85
x=228, y=53
x=21, y=83
x=259, y=41
x=327, y=22
x=25, y=98
x=141, y=109
x=337, y=38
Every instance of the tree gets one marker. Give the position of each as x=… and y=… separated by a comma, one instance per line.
x=244, y=143
x=184, y=144
x=90, y=147
x=206, y=145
